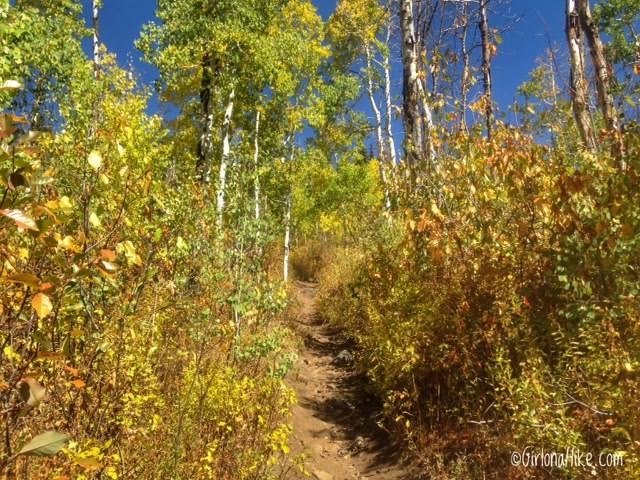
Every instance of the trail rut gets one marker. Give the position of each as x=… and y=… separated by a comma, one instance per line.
x=334, y=420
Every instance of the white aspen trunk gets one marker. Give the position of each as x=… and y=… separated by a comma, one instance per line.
x=466, y=74
x=412, y=119
x=96, y=37
x=579, y=86
x=379, y=136
x=603, y=82
x=387, y=95
x=256, y=166
x=224, y=161
x=287, y=216
x=428, y=124
x=287, y=236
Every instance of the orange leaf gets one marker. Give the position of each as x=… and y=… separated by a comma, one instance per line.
x=51, y=356
x=108, y=255
x=73, y=371
x=79, y=384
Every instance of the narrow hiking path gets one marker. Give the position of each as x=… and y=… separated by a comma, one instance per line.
x=334, y=420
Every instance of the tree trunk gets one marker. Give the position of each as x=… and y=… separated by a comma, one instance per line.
x=287, y=236
x=391, y=144
x=579, y=86
x=224, y=161
x=601, y=67
x=412, y=120
x=379, y=137
x=96, y=37
x=466, y=71
x=428, y=146
x=486, y=67
x=256, y=166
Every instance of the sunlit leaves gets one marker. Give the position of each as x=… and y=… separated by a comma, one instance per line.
x=42, y=305
x=89, y=464
x=10, y=85
x=24, y=278
x=20, y=219
x=94, y=220
x=95, y=160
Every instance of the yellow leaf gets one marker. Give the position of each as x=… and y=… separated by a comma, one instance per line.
x=65, y=203
x=95, y=160
x=10, y=354
x=436, y=211
x=95, y=220
x=111, y=473
x=131, y=254
x=88, y=463
x=42, y=305
x=23, y=278
x=69, y=244
x=77, y=332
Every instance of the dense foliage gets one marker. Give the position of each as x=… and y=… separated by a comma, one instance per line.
x=489, y=275
x=514, y=303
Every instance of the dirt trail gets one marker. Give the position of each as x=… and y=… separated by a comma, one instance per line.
x=334, y=424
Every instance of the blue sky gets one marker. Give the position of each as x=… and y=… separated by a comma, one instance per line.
x=523, y=43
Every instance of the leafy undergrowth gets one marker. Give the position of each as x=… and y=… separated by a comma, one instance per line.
x=128, y=343
x=504, y=314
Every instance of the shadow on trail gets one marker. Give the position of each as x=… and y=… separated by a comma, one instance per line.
x=343, y=400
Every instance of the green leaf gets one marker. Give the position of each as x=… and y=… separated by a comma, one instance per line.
x=46, y=444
